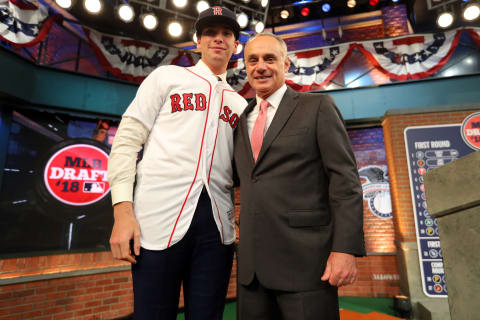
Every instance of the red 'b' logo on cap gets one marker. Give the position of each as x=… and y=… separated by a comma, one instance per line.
x=217, y=11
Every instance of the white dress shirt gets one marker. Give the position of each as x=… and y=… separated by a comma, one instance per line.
x=274, y=101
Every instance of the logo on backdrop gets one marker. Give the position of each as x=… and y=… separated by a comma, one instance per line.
x=470, y=131
x=77, y=175
x=376, y=190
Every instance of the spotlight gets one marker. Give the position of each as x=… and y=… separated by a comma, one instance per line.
x=326, y=7
x=194, y=37
x=149, y=21
x=65, y=4
x=93, y=6
x=257, y=25
x=373, y=2
x=202, y=5
x=471, y=12
x=239, y=48
x=264, y=3
x=395, y=0
x=351, y=3
x=179, y=3
x=245, y=1
x=175, y=29
x=125, y=12
x=445, y=20
x=304, y=11
x=284, y=14
x=242, y=19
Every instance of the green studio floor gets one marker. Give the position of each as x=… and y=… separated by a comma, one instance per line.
x=362, y=305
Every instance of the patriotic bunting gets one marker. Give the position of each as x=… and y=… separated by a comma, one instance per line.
x=24, y=23
x=475, y=34
x=133, y=60
x=411, y=57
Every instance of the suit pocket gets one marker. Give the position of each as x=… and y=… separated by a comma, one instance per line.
x=293, y=132
x=308, y=218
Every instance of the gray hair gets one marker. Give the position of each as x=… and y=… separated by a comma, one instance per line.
x=283, y=45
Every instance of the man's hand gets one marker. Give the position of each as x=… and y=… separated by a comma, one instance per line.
x=125, y=228
x=341, y=269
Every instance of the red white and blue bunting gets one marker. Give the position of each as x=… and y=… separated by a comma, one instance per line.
x=475, y=34
x=133, y=60
x=24, y=23
x=411, y=57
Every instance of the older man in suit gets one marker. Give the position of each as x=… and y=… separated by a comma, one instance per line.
x=301, y=219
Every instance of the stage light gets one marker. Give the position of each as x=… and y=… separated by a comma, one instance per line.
x=202, y=5
x=395, y=0
x=245, y=1
x=264, y=3
x=242, y=19
x=180, y=3
x=175, y=29
x=351, y=3
x=93, y=6
x=125, y=12
x=65, y=4
x=194, y=37
x=284, y=14
x=326, y=7
x=257, y=25
x=445, y=20
x=471, y=12
x=373, y=2
x=304, y=11
x=149, y=21
x=239, y=48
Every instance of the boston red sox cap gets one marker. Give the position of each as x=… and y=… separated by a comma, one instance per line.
x=217, y=15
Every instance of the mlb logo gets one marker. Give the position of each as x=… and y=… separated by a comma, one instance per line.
x=94, y=187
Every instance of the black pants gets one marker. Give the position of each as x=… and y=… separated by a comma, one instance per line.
x=199, y=260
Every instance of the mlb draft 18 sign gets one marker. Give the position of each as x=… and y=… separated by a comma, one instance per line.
x=470, y=131
x=76, y=174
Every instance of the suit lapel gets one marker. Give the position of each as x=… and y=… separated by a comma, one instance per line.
x=244, y=130
x=284, y=111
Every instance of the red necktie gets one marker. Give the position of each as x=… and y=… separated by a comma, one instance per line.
x=259, y=129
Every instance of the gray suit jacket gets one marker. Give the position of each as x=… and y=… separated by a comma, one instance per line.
x=302, y=199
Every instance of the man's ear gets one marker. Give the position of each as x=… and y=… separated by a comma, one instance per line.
x=287, y=64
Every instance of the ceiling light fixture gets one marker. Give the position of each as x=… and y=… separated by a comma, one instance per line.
x=175, y=29
x=202, y=5
x=65, y=4
x=93, y=6
x=284, y=14
x=326, y=7
x=351, y=3
x=194, y=37
x=264, y=3
x=304, y=11
x=179, y=3
x=471, y=12
x=445, y=19
x=257, y=25
x=149, y=21
x=242, y=19
x=125, y=12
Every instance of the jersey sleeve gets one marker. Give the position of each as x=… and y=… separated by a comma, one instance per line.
x=130, y=137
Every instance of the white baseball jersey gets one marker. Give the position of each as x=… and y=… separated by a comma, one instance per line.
x=191, y=116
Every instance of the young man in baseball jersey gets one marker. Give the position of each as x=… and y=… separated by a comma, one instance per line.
x=180, y=215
